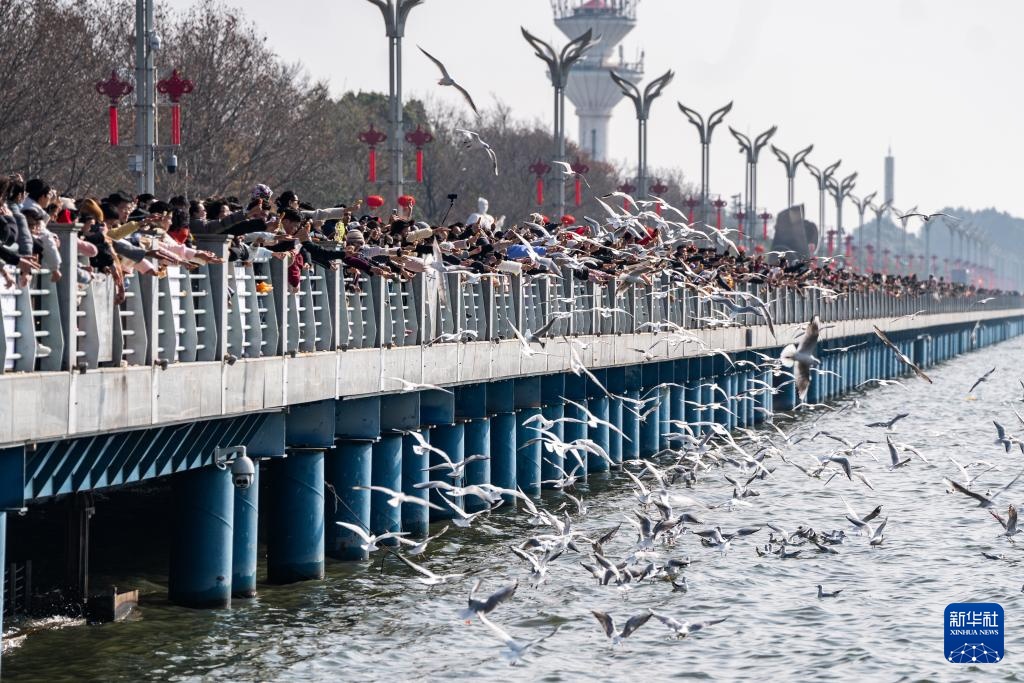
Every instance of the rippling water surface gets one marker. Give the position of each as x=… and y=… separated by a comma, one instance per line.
x=365, y=624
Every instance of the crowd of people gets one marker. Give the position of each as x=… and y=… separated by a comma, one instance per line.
x=121, y=234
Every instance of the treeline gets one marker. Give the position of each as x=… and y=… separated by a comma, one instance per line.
x=251, y=117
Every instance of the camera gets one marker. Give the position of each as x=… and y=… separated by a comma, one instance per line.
x=172, y=163
x=452, y=197
x=243, y=472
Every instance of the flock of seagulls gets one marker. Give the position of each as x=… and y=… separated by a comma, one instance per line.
x=644, y=550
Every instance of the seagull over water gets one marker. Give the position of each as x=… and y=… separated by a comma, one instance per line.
x=616, y=636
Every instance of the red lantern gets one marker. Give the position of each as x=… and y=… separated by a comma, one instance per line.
x=580, y=169
x=849, y=246
x=115, y=89
x=741, y=220
x=372, y=138
x=885, y=261
x=375, y=201
x=691, y=204
x=174, y=87
x=657, y=189
x=719, y=204
x=419, y=138
x=765, y=217
x=540, y=169
x=407, y=201
x=871, y=257
x=626, y=188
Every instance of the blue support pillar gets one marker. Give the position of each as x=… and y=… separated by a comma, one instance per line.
x=452, y=440
x=615, y=439
x=528, y=455
x=415, y=518
x=345, y=466
x=201, y=546
x=471, y=409
x=664, y=413
x=576, y=390
x=600, y=407
x=548, y=469
x=528, y=401
x=386, y=470
x=245, y=536
x=631, y=427
x=503, y=450
x=677, y=413
x=295, y=526
x=478, y=442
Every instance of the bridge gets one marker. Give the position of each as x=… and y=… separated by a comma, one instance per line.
x=320, y=385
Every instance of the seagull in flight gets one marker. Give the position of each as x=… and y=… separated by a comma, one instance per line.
x=685, y=628
x=472, y=139
x=983, y=500
x=408, y=386
x=446, y=79
x=370, y=541
x=616, y=636
x=983, y=378
x=928, y=216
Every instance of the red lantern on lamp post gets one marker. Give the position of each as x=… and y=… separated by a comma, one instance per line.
x=691, y=204
x=831, y=238
x=540, y=169
x=849, y=247
x=741, y=220
x=719, y=204
x=765, y=217
x=871, y=257
x=658, y=189
x=372, y=138
x=174, y=86
x=885, y=261
x=580, y=169
x=418, y=138
x=626, y=188
x=115, y=89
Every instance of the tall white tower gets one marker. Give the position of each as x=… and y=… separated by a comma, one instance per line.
x=890, y=176
x=589, y=86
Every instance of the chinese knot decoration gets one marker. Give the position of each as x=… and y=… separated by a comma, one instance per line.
x=657, y=189
x=540, y=169
x=418, y=138
x=626, y=188
x=174, y=86
x=691, y=203
x=115, y=89
x=580, y=169
x=372, y=138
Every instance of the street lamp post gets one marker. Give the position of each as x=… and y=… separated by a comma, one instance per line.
x=559, y=66
x=792, y=163
x=147, y=42
x=822, y=177
x=840, y=190
x=862, y=205
x=752, y=150
x=705, y=129
x=880, y=210
x=642, y=103
x=395, y=12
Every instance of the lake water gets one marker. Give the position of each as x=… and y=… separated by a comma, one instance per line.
x=366, y=624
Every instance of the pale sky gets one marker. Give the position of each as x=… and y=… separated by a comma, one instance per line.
x=936, y=79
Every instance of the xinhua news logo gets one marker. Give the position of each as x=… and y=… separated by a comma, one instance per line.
x=974, y=633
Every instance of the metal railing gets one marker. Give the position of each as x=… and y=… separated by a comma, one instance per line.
x=250, y=310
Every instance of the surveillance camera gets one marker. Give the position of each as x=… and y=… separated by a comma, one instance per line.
x=172, y=163
x=243, y=471
x=155, y=41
